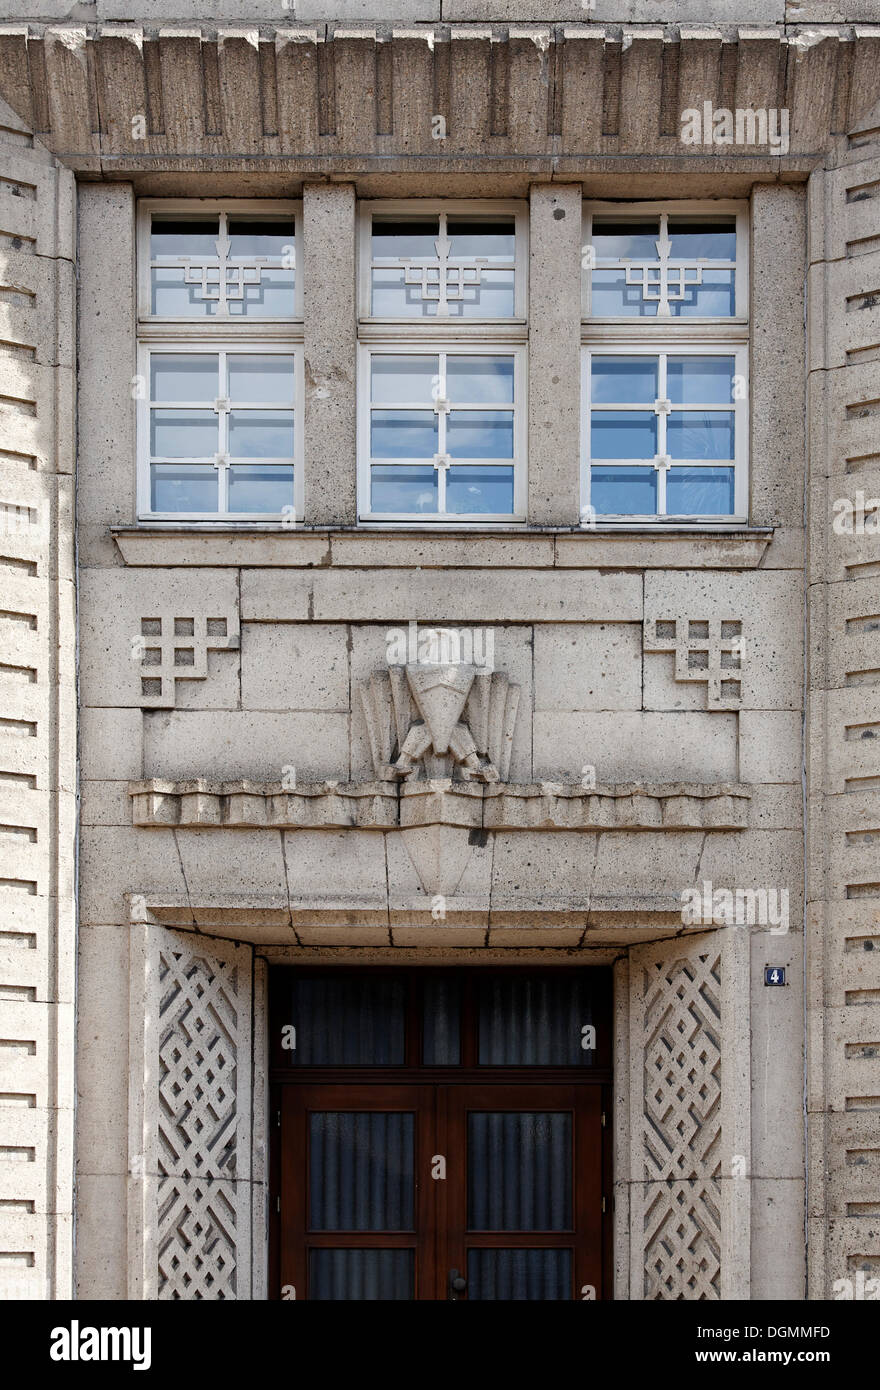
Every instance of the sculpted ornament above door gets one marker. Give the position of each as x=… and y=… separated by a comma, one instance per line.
x=439, y=717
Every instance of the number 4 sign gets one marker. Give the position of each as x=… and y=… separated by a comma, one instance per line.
x=774, y=974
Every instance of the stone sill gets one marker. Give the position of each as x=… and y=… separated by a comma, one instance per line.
x=268, y=546
x=385, y=805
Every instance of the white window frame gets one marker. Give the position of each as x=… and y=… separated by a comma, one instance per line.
x=705, y=207
x=217, y=334
x=209, y=207
x=221, y=346
x=638, y=347
x=432, y=335
x=480, y=348
x=629, y=335
x=436, y=207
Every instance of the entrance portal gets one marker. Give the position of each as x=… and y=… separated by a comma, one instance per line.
x=441, y=1134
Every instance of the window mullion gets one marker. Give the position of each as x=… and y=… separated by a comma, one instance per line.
x=441, y=424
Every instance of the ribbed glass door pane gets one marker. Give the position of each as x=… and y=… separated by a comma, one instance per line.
x=345, y=1020
x=361, y=1275
x=533, y=1275
x=361, y=1171
x=441, y=1006
x=534, y=1021
x=519, y=1171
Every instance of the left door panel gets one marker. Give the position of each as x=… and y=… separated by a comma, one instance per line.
x=355, y=1211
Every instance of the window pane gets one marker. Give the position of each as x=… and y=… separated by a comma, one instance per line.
x=402, y=379
x=401, y=434
x=695, y=240
x=265, y=378
x=361, y=1275
x=700, y=491
x=492, y=298
x=403, y=490
x=177, y=487
x=715, y=297
x=695, y=380
x=700, y=434
x=623, y=491
x=271, y=297
x=519, y=1171
x=534, y=1021
x=182, y=376
x=625, y=240
x=399, y=237
x=172, y=237
x=623, y=434
x=173, y=298
x=612, y=296
x=181, y=434
x=480, y=434
x=255, y=488
x=472, y=380
x=250, y=237
x=519, y=1275
x=343, y=1021
x=493, y=239
x=484, y=490
x=361, y=1171
x=266, y=434
x=392, y=298
x=441, y=1011
x=622, y=380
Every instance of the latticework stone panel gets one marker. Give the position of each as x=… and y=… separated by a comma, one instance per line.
x=682, y=1228
x=689, y=1215
x=682, y=1067
x=198, y=1126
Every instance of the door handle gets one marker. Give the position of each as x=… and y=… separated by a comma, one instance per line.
x=457, y=1285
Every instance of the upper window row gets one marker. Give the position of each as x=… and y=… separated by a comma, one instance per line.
x=457, y=263
x=443, y=333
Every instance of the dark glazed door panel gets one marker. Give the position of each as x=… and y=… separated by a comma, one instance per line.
x=525, y=1191
x=438, y=1134
x=355, y=1212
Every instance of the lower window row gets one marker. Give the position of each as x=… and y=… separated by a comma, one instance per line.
x=443, y=434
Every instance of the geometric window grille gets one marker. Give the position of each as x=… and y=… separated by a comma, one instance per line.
x=176, y=649
x=709, y=650
x=216, y=262
x=666, y=262
x=449, y=262
x=663, y=280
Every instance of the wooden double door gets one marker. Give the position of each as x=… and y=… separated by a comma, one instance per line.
x=440, y=1136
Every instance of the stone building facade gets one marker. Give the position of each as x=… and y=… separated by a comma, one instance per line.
x=363, y=706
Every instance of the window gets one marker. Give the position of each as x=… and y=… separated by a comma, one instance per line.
x=442, y=390
x=665, y=363
x=220, y=362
